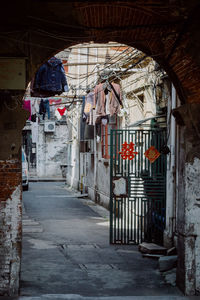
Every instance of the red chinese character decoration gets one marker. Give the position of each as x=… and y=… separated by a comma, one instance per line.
x=128, y=151
x=152, y=154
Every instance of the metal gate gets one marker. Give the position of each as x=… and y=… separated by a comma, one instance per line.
x=137, y=186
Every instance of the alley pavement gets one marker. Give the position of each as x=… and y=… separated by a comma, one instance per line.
x=66, y=252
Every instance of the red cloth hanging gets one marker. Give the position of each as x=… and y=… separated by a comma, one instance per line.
x=61, y=110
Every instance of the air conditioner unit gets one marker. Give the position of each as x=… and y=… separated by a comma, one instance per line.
x=49, y=126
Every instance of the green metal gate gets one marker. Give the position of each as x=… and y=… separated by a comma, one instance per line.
x=137, y=186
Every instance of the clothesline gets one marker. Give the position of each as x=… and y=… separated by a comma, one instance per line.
x=52, y=99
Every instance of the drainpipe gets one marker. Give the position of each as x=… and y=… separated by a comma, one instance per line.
x=79, y=162
x=173, y=156
x=87, y=66
x=171, y=175
x=95, y=163
x=95, y=141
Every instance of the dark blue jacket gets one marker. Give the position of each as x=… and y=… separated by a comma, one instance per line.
x=51, y=77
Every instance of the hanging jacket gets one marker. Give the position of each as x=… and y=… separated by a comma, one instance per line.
x=51, y=77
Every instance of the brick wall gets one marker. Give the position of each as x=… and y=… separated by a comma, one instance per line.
x=10, y=226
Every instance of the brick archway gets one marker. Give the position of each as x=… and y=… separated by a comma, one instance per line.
x=35, y=30
x=167, y=31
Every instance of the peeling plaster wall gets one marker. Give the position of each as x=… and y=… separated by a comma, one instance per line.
x=96, y=176
x=103, y=179
x=192, y=225
x=188, y=223
x=10, y=226
x=51, y=151
x=72, y=177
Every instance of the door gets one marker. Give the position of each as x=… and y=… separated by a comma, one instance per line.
x=137, y=186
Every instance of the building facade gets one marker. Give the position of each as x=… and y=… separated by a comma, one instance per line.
x=168, y=32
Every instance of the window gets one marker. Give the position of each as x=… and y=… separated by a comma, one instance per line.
x=105, y=136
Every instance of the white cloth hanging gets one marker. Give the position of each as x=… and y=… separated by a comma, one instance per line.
x=34, y=106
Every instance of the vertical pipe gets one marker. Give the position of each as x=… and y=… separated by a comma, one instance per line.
x=111, y=190
x=173, y=159
x=171, y=176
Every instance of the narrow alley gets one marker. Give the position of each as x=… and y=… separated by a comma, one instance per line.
x=66, y=250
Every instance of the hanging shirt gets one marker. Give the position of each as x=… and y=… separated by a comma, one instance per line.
x=100, y=100
x=89, y=104
x=27, y=106
x=60, y=111
x=34, y=106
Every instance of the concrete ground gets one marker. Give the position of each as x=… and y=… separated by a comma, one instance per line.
x=66, y=252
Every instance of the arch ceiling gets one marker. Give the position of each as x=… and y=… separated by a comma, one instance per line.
x=166, y=30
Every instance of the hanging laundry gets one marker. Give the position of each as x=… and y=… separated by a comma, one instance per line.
x=89, y=104
x=107, y=99
x=50, y=79
x=82, y=121
x=55, y=101
x=44, y=108
x=47, y=107
x=27, y=106
x=60, y=112
x=34, y=109
x=34, y=106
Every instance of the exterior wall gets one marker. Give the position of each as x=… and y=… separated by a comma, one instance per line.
x=182, y=61
x=96, y=179
x=72, y=176
x=192, y=226
x=89, y=171
x=187, y=223
x=73, y=155
x=12, y=121
x=103, y=179
x=10, y=223
x=51, y=151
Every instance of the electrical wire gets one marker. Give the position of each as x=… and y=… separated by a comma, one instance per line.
x=85, y=75
x=114, y=63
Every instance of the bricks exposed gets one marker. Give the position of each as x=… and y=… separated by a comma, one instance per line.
x=10, y=226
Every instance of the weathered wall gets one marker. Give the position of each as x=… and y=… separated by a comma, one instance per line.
x=10, y=225
x=73, y=161
x=51, y=151
x=97, y=181
x=172, y=143
x=168, y=31
x=12, y=121
x=192, y=226
x=188, y=212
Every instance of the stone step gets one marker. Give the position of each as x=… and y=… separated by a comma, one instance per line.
x=32, y=229
x=167, y=262
x=29, y=222
x=152, y=248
